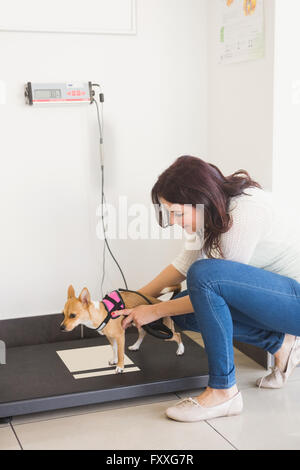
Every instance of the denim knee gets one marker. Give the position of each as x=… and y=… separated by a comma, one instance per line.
x=201, y=271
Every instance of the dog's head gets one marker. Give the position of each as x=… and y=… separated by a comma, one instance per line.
x=76, y=310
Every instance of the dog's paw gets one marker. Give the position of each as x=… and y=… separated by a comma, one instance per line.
x=134, y=347
x=180, y=349
x=113, y=362
x=119, y=370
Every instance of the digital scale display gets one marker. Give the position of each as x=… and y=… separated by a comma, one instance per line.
x=47, y=94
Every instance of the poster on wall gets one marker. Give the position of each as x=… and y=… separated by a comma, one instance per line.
x=242, y=33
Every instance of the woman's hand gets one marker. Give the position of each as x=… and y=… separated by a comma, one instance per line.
x=140, y=315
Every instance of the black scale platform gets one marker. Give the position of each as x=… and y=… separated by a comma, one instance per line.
x=36, y=379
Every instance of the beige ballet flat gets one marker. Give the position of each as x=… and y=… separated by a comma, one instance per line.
x=278, y=378
x=189, y=409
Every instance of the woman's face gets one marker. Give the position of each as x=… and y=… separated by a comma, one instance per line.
x=181, y=214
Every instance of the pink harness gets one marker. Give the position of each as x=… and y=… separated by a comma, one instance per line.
x=112, y=301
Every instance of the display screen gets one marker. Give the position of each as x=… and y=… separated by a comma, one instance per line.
x=47, y=94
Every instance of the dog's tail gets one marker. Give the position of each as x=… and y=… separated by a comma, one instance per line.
x=175, y=289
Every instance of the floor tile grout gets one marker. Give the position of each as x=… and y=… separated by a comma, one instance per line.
x=220, y=434
x=16, y=436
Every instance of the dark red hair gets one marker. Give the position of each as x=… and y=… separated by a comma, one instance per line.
x=190, y=180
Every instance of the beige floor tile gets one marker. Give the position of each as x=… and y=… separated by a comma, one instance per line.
x=141, y=427
x=270, y=420
x=8, y=440
x=79, y=410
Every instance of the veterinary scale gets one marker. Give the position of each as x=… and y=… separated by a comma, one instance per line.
x=27, y=384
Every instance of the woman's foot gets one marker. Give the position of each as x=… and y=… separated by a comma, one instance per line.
x=286, y=359
x=213, y=396
x=208, y=405
x=282, y=355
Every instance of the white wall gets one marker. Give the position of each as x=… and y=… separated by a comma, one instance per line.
x=155, y=86
x=240, y=112
x=286, y=168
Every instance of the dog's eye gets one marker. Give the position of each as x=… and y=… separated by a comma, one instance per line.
x=72, y=315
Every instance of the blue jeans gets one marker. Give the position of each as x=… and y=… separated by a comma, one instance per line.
x=236, y=300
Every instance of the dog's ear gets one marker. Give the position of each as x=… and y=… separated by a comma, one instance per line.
x=71, y=292
x=85, y=297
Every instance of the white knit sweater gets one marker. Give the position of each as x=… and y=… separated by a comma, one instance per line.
x=264, y=234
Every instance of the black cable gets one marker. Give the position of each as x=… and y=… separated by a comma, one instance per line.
x=105, y=239
x=103, y=201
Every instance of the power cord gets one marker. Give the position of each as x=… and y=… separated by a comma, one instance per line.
x=103, y=200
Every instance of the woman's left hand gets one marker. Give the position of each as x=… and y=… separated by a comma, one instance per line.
x=140, y=315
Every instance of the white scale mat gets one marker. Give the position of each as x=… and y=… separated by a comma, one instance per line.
x=96, y=357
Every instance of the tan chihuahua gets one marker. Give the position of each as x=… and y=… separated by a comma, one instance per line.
x=83, y=311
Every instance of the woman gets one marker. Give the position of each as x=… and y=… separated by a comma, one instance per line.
x=244, y=282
